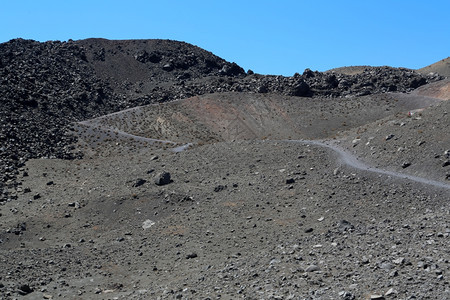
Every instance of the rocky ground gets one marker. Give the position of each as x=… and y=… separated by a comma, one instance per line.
x=105, y=206
x=253, y=220
x=415, y=141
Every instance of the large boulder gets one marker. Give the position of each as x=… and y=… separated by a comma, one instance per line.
x=300, y=89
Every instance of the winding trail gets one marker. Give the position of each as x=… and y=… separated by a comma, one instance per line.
x=105, y=129
x=344, y=156
x=349, y=159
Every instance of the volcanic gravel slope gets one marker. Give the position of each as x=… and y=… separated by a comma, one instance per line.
x=415, y=142
x=245, y=213
x=253, y=220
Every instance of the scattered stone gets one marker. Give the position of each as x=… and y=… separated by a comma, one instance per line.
x=390, y=136
x=405, y=165
x=312, y=268
x=219, y=188
x=345, y=225
x=399, y=261
x=168, y=67
x=356, y=142
x=390, y=292
x=75, y=204
x=20, y=228
x=336, y=171
x=290, y=181
x=346, y=295
x=24, y=289
x=393, y=273
x=139, y=181
x=147, y=224
x=191, y=255
x=162, y=178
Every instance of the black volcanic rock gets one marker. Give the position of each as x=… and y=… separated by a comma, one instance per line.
x=43, y=87
x=300, y=88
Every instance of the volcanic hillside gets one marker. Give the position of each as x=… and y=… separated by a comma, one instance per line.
x=153, y=169
x=45, y=86
x=441, y=67
x=243, y=116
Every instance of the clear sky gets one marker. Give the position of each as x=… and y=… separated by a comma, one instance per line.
x=269, y=37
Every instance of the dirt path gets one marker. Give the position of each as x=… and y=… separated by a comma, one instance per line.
x=344, y=156
x=352, y=161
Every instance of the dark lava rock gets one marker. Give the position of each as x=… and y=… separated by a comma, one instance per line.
x=24, y=289
x=345, y=225
x=300, y=89
x=231, y=70
x=405, y=165
x=162, y=178
x=138, y=182
x=20, y=228
x=219, y=188
x=142, y=56
x=191, y=255
x=308, y=73
x=290, y=181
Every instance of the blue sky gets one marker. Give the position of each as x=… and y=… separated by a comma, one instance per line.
x=269, y=37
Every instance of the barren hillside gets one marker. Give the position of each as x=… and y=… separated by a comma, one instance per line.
x=153, y=169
